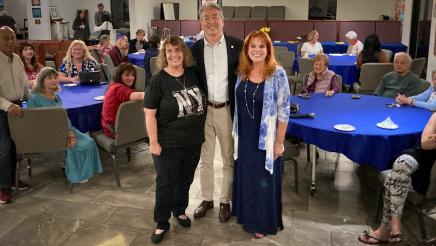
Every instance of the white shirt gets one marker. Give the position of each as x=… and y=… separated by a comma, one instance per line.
x=355, y=49
x=312, y=50
x=215, y=63
x=107, y=26
x=13, y=80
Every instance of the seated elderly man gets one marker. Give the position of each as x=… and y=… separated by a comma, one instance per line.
x=354, y=44
x=400, y=81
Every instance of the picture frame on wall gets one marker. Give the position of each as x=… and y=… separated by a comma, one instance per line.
x=36, y=12
x=54, y=13
x=36, y=2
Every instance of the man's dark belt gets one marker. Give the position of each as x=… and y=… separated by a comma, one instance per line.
x=218, y=105
x=18, y=102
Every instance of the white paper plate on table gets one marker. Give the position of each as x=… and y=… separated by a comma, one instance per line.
x=344, y=127
x=386, y=126
x=99, y=98
x=71, y=84
x=336, y=54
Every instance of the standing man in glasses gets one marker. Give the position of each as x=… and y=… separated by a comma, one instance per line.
x=217, y=57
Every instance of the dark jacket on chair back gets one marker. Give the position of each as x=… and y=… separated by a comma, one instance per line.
x=234, y=48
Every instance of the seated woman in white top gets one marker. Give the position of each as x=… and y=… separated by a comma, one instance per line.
x=354, y=44
x=312, y=46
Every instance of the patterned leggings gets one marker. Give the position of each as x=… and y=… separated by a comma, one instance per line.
x=397, y=184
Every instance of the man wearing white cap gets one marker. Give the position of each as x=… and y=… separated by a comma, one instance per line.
x=354, y=45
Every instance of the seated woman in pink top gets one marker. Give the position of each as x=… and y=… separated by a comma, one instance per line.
x=321, y=79
x=121, y=89
x=30, y=61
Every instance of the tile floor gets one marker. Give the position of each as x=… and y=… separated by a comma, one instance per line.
x=99, y=213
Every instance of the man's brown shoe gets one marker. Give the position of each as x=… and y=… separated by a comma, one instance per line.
x=224, y=214
x=201, y=210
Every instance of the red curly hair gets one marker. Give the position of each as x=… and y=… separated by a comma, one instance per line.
x=245, y=63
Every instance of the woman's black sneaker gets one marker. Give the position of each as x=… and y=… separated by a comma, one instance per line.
x=156, y=238
x=184, y=222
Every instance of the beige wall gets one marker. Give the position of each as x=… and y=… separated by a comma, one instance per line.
x=294, y=9
x=142, y=12
x=364, y=10
x=17, y=9
x=431, y=65
x=346, y=9
x=407, y=23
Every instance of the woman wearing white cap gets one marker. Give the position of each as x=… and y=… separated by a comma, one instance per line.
x=354, y=45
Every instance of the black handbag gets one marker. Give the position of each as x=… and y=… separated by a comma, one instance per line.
x=105, y=32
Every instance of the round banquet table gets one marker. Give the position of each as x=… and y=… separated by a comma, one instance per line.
x=340, y=64
x=368, y=144
x=83, y=110
x=137, y=59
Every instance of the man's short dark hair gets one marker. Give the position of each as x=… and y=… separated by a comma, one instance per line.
x=100, y=5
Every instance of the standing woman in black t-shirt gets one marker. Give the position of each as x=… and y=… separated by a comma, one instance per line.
x=175, y=109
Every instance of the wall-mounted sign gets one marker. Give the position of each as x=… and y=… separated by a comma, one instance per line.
x=36, y=2
x=36, y=12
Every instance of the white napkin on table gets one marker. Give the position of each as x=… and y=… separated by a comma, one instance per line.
x=388, y=124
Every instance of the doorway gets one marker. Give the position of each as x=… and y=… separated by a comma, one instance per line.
x=120, y=13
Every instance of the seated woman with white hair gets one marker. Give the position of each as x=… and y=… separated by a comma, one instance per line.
x=83, y=160
x=321, y=79
x=354, y=44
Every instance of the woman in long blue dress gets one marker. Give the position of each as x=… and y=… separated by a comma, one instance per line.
x=259, y=127
x=83, y=160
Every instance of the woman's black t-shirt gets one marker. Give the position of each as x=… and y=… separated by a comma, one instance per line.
x=181, y=111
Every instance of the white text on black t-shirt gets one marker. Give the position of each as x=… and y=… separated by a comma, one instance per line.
x=189, y=101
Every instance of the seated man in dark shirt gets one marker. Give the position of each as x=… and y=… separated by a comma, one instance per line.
x=153, y=51
x=7, y=20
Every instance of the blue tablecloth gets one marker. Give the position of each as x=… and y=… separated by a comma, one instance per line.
x=291, y=46
x=342, y=65
x=83, y=110
x=368, y=144
x=137, y=59
x=189, y=42
x=334, y=47
x=395, y=47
